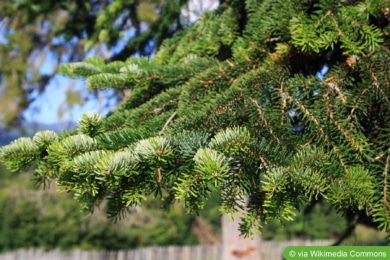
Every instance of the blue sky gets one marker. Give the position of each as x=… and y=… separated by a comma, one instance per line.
x=50, y=107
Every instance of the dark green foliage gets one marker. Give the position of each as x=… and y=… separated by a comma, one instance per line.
x=260, y=123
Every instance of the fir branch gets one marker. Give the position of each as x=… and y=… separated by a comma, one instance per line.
x=44, y=138
x=20, y=153
x=79, y=69
x=231, y=139
x=91, y=124
x=239, y=92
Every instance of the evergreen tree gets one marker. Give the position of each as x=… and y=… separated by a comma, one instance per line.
x=284, y=102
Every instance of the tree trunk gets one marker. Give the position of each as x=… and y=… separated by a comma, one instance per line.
x=236, y=247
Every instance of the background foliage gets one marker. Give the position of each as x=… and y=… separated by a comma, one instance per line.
x=31, y=217
x=37, y=36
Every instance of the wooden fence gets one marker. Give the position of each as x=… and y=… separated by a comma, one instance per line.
x=271, y=250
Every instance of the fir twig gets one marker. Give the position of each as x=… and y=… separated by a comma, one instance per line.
x=167, y=123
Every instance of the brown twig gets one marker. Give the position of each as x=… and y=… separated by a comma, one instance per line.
x=167, y=123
